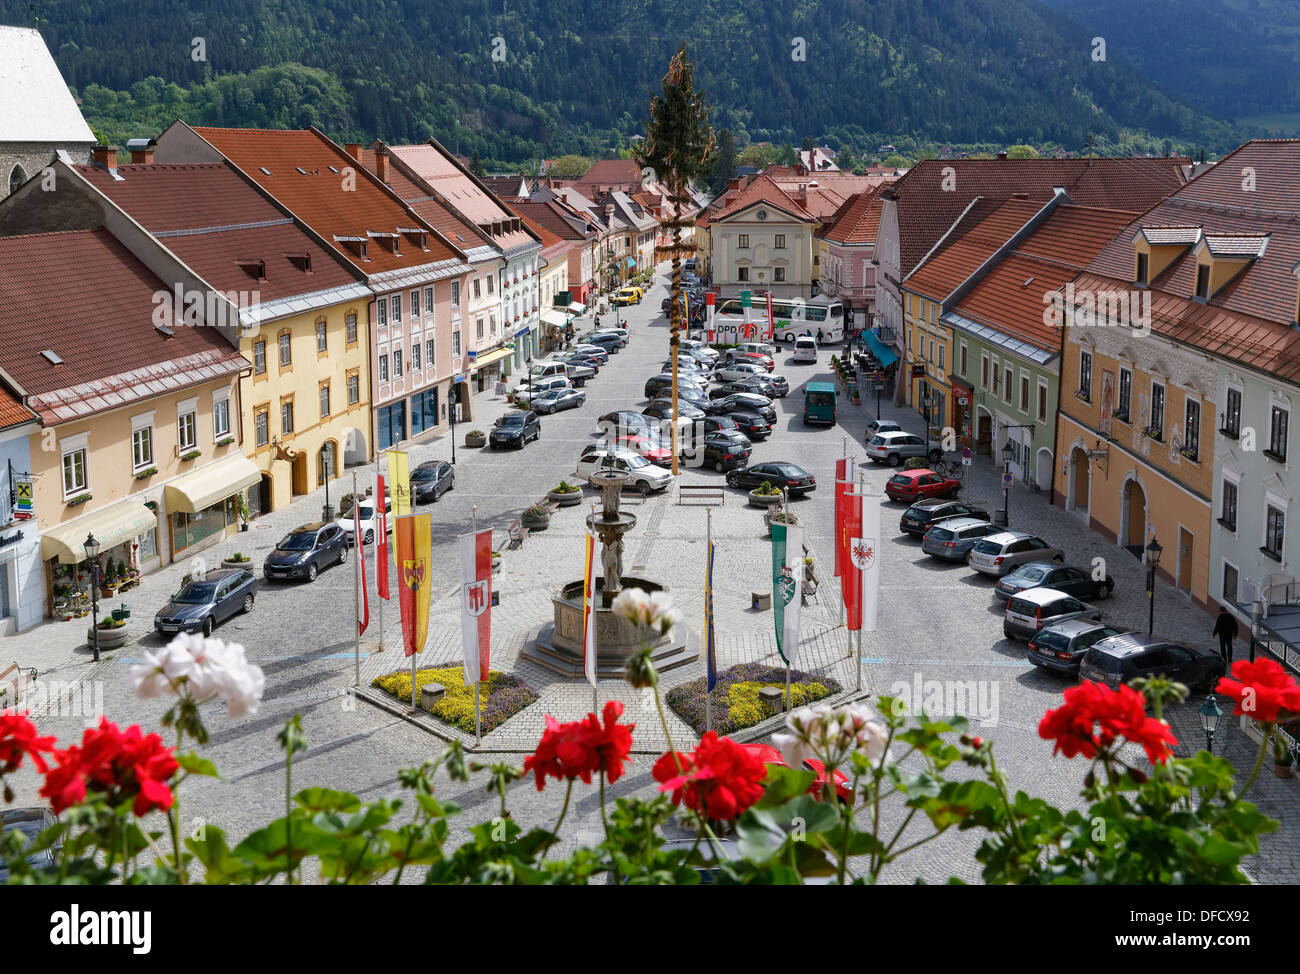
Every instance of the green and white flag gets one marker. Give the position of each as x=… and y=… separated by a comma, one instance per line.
x=787, y=585
x=747, y=303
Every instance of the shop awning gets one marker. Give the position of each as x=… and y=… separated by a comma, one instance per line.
x=577, y=308
x=201, y=489
x=111, y=526
x=494, y=356
x=630, y=262
x=557, y=318
x=883, y=353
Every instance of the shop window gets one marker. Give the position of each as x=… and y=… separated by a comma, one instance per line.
x=189, y=529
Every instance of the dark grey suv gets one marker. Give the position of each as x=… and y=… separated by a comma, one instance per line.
x=515, y=429
x=1121, y=658
x=304, y=551
x=202, y=603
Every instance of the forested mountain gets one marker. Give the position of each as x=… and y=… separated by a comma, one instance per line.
x=517, y=79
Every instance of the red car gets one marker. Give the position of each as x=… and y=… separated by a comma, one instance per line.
x=649, y=447
x=770, y=755
x=757, y=358
x=916, y=485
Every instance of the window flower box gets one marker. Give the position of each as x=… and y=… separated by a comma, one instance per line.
x=146, y=473
x=79, y=499
x=1189, y=454
x=191, y=455
x=1120, y=415
x=1153, y=434
x=1082, y=396
x=225, y=441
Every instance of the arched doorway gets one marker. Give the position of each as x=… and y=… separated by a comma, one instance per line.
x=327, y=463
x=983, y=431
x=259, y=500
x=1043, y=471
x=1133, y=517
x=1079, y=488
x=354, y=448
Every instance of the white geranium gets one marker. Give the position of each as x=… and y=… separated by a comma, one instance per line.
x=830, y=735
x=654, y=611
x=205, y=669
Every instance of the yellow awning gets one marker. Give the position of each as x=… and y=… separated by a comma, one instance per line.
x=491, y=357
x=111, y=526
x=201, y=489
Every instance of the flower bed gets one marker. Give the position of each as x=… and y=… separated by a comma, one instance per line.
x=501, y=696
x=735, y=698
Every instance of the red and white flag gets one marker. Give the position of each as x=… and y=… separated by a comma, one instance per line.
x=589, y=611
x=843, y=486
x=381, y=538
x=476, y=603
x=363, y=597
x=771, y=318
x=710, y=303
x=861, y=580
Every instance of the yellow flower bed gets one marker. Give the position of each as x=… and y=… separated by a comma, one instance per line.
x=745, y=709
x=501, y=695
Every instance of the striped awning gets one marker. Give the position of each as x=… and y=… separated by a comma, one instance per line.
x=211, y=484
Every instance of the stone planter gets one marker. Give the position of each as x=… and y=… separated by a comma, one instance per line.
x=535, y=522
x=765, y=501
x=567, y=499
x=229, y=563
x=476, y=439
x=1282, y=770
x=108, y=638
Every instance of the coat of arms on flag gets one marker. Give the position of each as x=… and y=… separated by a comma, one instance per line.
x=476, y=597
x=863, y=553
x=413, y=574
x=785, y=584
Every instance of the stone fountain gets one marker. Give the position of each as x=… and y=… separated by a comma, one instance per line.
x=558, y=644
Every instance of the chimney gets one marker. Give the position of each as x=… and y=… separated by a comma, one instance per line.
x=734, y=183
x=104, y=156
x=381, y=163
x=1002, y=155
x=141, y=151
x=354, y=150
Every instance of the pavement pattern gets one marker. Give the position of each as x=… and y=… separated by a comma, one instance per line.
x=938, y=622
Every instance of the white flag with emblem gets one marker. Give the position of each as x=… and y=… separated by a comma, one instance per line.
x=864, y=552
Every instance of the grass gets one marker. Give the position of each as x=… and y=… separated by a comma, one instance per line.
x=735, y=702
x=501, y=695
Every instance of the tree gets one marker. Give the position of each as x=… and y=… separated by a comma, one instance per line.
x=570, y=166
x=844, y=160
x=1022, y=152
x=724, y=169
x=808, y=143
x=679, y=147
x=894, y=161
x=786, y=156
x=758, y=156
x=476, y=165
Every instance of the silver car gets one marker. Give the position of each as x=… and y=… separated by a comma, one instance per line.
x=641, y=472
x=1000, y=553
x=1029, y=611
x=895, y=446
x=953, y=538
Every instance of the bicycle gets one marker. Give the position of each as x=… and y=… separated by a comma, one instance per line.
x=949, y=468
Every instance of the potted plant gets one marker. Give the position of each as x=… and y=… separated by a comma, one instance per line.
x=476, y=438
x=1282, y=758
x=565, y=494
x=111, y=633
x=108, y=579
x=765, y=495
x=778, y=517
x=915, y=463
x=241, y=508
x=237, y=560
x=536, y=518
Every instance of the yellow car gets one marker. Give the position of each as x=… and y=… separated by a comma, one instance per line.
x=626, y=296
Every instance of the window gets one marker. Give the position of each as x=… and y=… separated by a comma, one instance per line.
x=286, y=350
x=1125, y=400
x=1232, y=414
x=1203, y=281
x=354, y=388
x=1228, y=512
x=455, y=294
x=262, y=425
x=397, y=363
x=415, y=357
x=997, y=378
x=1157, y=425
x=142, y=447
x=350, y=323
x=1085, y=375
x=397, y=309
x=478, y=328
x=220, y=418
x=780, y=241
x=742, y=273
x=428, y=354
x=322, y=343
x=961, y=357
x=1006, y=387
x=415, y=303
x=259, y=358
x=491, y=285
x=1274, y=529
x=984, y=371
x=943, y=350
x=1042, y=401
x=478, y=288
x=74, y=471
x=1230, y=582
x=1277, y=424
x=428, y=300
x=778, y=274
x=455, y=343
x=286, y=417
x=186, y=431
x=1024, y=392
x=383, y=368
x=743, y=241
x=1192, y=430
x=1141, y=276
x=381, y=311
x=324, y=399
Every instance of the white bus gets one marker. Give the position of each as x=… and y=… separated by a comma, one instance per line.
x=794, y=317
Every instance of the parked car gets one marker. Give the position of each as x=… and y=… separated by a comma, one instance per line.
x=595, y=351
x=607, y=340
x=663, y=408
x=914, y=485
x=515, y=429
x=789, y=477
x=805, y=349
x=895, y=446
x=726, y=450
x=731, y=371
x=526, y=392
x=1065, y=578
x=687, y=364
x=624, y=336
x=1121, y=658
x=431, y=479
x=644, y=474
x=1029, y=611
x=881, y=426
x=626, y=295
x=662, y=384
x=742, y=402
x=624, y=420
x=304, y=551
x=368, y=521
x=206, y=601
x=31, y=822
x=768, y=386
x=1061, y=646
x=918, y=519
x=751, y=424
x=999, y=554
x=766, y=349
x=953, y=538
x=758, y=358
x=551, y=368
x=714, y=423
x=647, y=445
x=698, y=349
x=559, y=399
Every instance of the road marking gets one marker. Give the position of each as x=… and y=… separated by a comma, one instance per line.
x=944, y=662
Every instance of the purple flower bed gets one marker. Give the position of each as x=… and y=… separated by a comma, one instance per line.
x=687, y=699
x=509, y=696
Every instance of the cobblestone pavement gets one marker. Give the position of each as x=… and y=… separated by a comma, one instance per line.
x=937, y=623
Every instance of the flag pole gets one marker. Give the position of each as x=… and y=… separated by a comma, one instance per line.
x=478, y=732
x=381, y=511
x=857, y=659
x=708, y=629
x=356, y=597
x=839, y=530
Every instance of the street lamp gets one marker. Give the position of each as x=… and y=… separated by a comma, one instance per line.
x=1210, y=714
x=454, y=396
x=327, y=458
x=1006, y=483
x=92, y=552
x=926, y=401
x=879, y=384
x=1153, y=551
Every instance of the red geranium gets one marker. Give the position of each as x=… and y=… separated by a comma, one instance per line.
x=1094, y=716
x=1262, y=690
x=122, y=766
x=18, y=739
x=582, y=748
x=720, y=777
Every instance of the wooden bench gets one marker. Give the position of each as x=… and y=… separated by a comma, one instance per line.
x=708, y=492
x=17, y=677
x=518, y=535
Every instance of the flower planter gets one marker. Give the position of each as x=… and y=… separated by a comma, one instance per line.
x=569, y=498
x=1282, y=770
x=232, y=563
x=108, y=638
x=476, y=439
x=107, y=591
x=535, y=522
x=765, y=501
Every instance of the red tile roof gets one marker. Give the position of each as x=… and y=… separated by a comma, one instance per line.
x=552, y=215
x=103, y=330
x=319, y=196
x=211, y=218
x=617, y=173
x=976, y=237
x=1010, y=298
x=13, y=412
x=446, y=220
x=764, y=190
x=552, y=245
x=929, y=201
x=856, y=222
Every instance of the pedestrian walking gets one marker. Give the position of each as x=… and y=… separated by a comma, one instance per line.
x=1225, y=627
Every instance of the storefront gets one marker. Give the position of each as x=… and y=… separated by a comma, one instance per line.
x=202, y=504
x=963, y=396
x=120, y=529
x=488, y=368
x=553, y=324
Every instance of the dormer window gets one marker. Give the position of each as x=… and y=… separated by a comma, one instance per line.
x=300, y=261
x=357, y=245
x=389, y=241
x=415, y=237
x=1203, y=281
x=1143, y=264
x=254, y=268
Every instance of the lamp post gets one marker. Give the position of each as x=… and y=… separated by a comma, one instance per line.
x=1153, y=551
x=1210, y=715
x=327, y=512
x=879, y=384
x=926, y=401
x=92, y=552
x=454, y=396
x=1006, y=484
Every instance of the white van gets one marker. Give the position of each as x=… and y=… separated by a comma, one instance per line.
x=805, y=349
